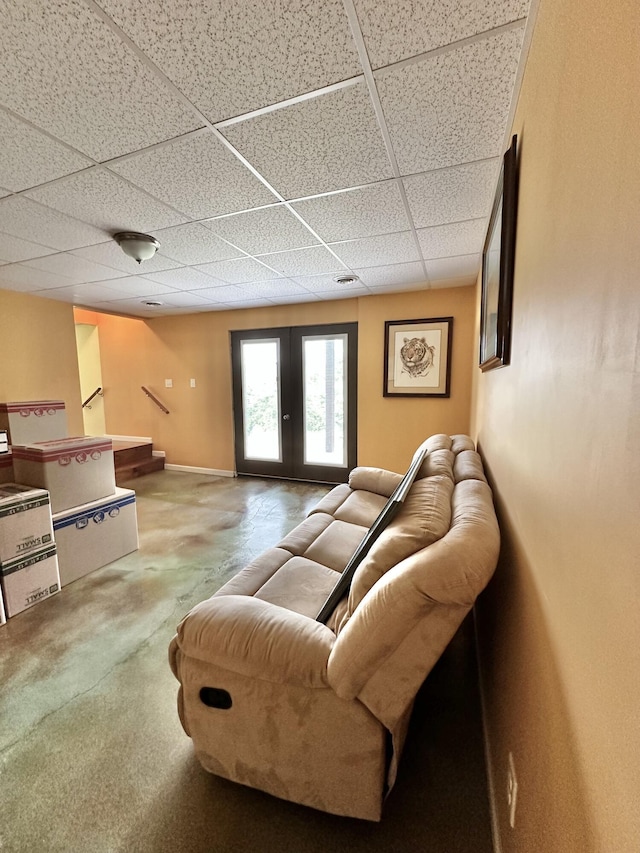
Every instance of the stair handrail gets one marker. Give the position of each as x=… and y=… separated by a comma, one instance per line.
x=97, y=393
x=155, y=400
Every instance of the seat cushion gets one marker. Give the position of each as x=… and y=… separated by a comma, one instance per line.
x=299, y=539
x=334, y=547
x=300, y=585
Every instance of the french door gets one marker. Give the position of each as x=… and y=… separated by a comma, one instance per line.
x=295, y=401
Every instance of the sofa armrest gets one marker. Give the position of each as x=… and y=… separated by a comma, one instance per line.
x=256, y=639
x=376, y=480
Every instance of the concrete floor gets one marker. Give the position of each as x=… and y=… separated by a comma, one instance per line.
x=92, y=755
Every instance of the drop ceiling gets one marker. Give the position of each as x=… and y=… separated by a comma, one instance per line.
x=269, y=147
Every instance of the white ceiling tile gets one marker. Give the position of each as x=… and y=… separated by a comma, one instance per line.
x=198, y=175
x=448, y=268
x=281, y=287
x=365, y=212
x=23, y=218
x=451, y=108
x=29, y=279
x=101, y=198
x=274, y=289
x=67, y=72
x=224, y=293
x=14, y=249
x=185, y=278
x=15, y=281
x=396, y=31
x=458, y=238
x=377, y=251
x=239, y=293
x=82, y=293
x=134, y=307
x=245, y=303
x=30, y=158
x=327, y=284
x=196, y=308
x=135, y=285
x=452, y=195
x=73, y=89
x=323, y=144
x=193, y=244
x=296, y=298
x=185, y=299
x=315, y=260
x=111, y=255
x=270, y=229
x=238, y=271
x=230, y=58
x=327, y=296
x=77, y=269
x=390, y=276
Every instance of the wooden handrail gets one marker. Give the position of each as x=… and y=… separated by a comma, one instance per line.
x=97, y=393
x=155, y=400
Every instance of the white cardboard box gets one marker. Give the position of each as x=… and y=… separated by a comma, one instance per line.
x=25, y=521
x=6, y=467
x=36, y=420
x=74, y=471
x=91, y=536
x=28, y=580
x=3, y=615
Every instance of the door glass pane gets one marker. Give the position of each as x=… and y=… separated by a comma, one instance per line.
x=260, y=366
x=324, y=394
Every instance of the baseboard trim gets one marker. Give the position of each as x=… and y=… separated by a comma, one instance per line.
x=215, y=472
x=495, y=825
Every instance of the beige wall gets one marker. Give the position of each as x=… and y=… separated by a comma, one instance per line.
x=390, y=428
x=199, y=430
x=559, y=430
x=38, y=359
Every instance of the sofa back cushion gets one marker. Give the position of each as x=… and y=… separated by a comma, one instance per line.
x=424, y=518
x=405, y=620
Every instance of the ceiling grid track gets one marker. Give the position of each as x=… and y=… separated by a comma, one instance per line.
x=382, y=123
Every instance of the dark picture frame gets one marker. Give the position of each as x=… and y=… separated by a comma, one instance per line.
x=417, y=357
x=498, y=256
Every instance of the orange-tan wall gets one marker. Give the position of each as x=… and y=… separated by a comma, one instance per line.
x=559, y=429
x=199, y=429
x=38, y=358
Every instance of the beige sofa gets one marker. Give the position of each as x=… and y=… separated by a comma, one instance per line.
x=318, y=713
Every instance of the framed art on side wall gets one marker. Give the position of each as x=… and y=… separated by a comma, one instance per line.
x=497, y=268
x=417, y=357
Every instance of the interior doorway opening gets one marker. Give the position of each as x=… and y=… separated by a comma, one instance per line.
x=89, y=366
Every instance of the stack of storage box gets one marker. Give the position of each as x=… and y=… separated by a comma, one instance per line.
x=6, y=458
x=28, y=560
x=93, y=522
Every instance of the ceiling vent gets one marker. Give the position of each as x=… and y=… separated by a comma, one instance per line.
x=347, y=278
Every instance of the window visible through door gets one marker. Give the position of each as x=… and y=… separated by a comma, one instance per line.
x=295, y=401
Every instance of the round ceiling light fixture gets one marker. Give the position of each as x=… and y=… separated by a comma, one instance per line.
x=140, y=247
x=347, y=278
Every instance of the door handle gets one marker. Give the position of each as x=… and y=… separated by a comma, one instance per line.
x=286, y=417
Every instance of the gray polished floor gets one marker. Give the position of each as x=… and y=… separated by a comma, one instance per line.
x=92, y=755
